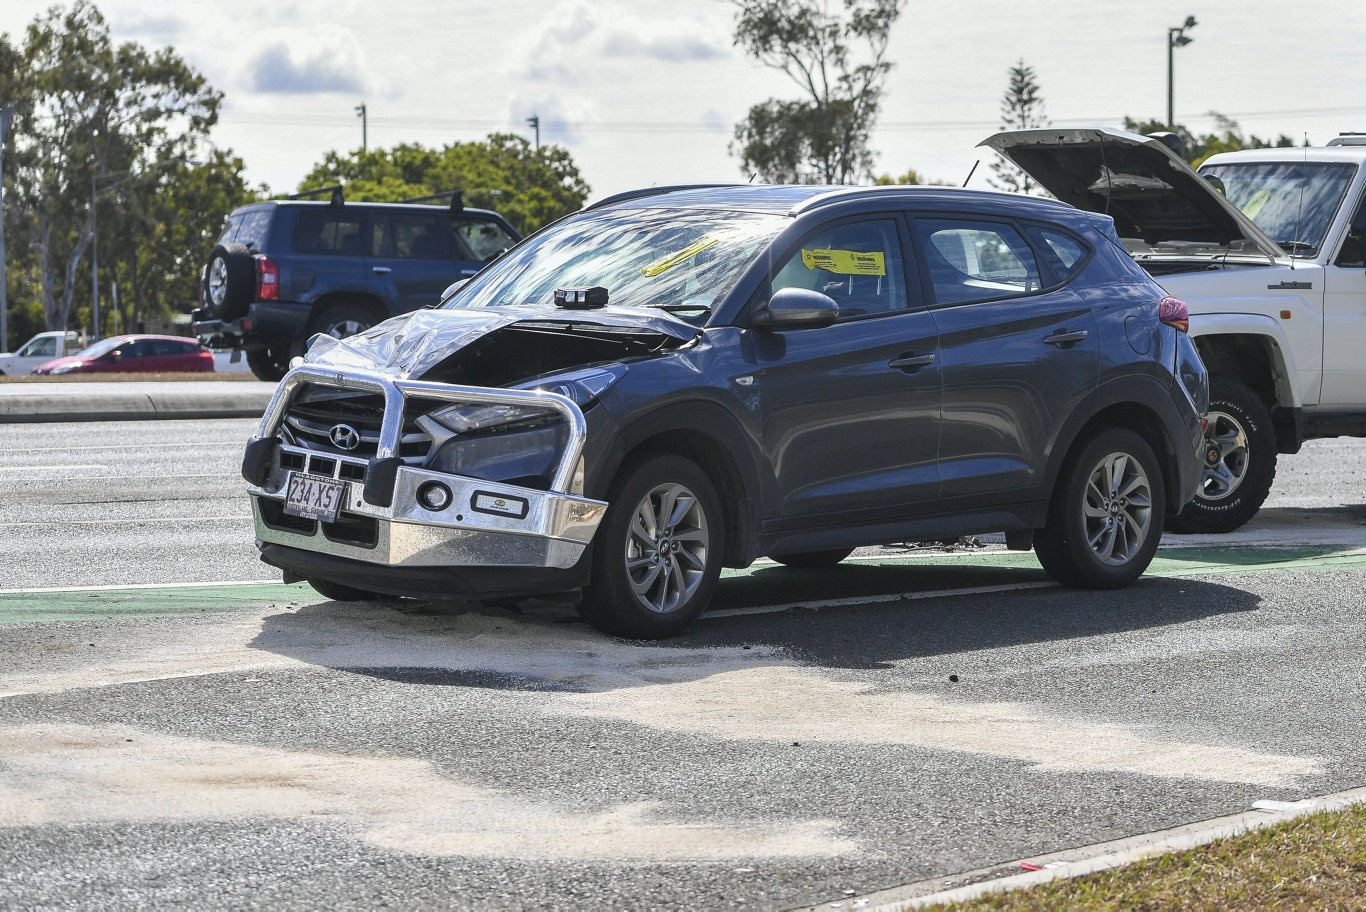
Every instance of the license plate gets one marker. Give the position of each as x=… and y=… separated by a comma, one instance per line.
x=314, y=498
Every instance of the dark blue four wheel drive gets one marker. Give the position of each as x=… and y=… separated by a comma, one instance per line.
x=679, y=380
x=284, y=270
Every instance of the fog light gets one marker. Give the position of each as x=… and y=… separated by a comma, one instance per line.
x=434, y=496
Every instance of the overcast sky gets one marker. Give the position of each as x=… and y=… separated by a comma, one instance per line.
x=646, y=92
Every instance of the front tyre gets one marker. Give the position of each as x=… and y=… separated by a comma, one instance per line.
x=338, y=592
x=341, y=320
x=658, y=552
x=267, y=364
x=1105, y=518
x=1240, y=461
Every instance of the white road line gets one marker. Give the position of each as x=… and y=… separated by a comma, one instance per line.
x=874, y=599
x=52, y=469
x=120, y=522
x=122, y=586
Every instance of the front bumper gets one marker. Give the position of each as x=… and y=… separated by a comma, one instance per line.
x=382, y=523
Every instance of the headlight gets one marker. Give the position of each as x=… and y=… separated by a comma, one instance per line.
x=582, y=386
x=462, y=419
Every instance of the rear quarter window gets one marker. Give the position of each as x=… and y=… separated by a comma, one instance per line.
x=327, y=231
x=1065, y=253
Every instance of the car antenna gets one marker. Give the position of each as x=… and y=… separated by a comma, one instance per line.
x=1299, y=211
x=971, y=172
x=1109, y=178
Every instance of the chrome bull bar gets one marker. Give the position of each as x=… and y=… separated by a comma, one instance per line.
x=485, y=523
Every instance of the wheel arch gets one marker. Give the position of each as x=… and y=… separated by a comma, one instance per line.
x=1144, y=407
x=710, y=436
x=1259, y=360
x=368, y=302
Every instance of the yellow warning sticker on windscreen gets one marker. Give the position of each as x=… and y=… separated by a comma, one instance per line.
x=846, y=262
x=669, y=262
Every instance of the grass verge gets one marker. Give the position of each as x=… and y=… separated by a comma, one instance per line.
x=1314, y=862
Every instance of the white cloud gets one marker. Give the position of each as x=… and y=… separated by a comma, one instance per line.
x=295, y=61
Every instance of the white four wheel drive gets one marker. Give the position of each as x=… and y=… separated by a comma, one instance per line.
x=1267, y=247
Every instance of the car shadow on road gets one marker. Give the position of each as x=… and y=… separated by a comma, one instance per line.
x=880, y=615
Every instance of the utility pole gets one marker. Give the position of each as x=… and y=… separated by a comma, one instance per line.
x=534, y=122
x=364, y=127
x=6, y=118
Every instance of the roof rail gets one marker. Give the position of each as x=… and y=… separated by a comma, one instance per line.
x=455, y=196
x=336, y=191
x=1348, y=139
x=651, y=191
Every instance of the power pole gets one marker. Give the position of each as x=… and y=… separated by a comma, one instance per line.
x=364, y=127
x=534, y=122
x=6, y=118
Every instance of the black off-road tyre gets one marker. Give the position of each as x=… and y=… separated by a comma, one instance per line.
x=338, y=592
x=658, y=551
x=1105, y=517
x=267, y=364
x=813, y=560
x=229, y=281
x=1240, y=462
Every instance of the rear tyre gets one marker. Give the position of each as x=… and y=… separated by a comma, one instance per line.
x=229, y=281
x=813, y=560
x=341, y=320
x=1240, y=461
x=340, y=593
x=658, y=552
x=1105, y=518
x=267, y=364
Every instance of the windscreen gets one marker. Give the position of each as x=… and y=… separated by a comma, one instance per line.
x=1293, y=202
x=682, y=261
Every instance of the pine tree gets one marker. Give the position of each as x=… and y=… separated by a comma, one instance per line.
x=1021, y=109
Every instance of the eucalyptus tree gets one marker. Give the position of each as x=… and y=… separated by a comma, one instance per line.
x=839, y=62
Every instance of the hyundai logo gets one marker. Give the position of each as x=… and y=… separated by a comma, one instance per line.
x=344, y=437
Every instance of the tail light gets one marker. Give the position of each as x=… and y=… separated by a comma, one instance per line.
x=1174, y=313
x=268, y=280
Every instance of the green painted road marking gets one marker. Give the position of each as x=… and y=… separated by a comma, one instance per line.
x=162, y=601
x=763, y=584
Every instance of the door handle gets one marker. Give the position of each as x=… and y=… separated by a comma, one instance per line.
x=911, y=362
x=381, y=270
x=1063, y=337
x=466, y=273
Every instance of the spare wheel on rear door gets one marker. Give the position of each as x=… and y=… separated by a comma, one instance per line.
x=229, y=281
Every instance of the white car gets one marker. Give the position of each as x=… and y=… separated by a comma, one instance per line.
x=1267, y=247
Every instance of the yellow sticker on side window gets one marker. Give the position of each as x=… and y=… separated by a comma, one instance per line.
x=669, y=262
x=846, y=262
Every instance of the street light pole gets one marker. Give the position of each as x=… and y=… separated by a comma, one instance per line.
x=6, y=118
x=1176, y=37
x=94, y=265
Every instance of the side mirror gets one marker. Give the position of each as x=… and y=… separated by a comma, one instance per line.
x=795, y=308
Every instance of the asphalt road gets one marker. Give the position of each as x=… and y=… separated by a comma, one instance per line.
x=911, y=715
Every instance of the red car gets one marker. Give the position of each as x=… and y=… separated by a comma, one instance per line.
x=134, y=354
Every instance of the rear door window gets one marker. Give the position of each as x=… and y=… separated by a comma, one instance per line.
x=409, y=236
x=970, y=260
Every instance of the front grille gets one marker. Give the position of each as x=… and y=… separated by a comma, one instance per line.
x=349, y=529
x=273, y=515
x=353, y=530
x=318, y=411
x=345, y=469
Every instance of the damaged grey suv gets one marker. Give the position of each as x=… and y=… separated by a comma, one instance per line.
x=684, y=379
